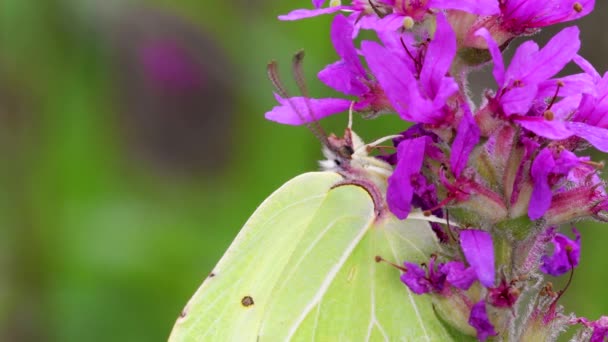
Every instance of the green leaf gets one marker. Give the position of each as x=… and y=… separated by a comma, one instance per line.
x=303, y=268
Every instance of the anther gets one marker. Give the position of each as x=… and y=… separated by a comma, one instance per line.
x=577, y=7
x=549, y=115
x=408, y=22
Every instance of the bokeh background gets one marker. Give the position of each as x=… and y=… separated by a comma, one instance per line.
x=133, y=148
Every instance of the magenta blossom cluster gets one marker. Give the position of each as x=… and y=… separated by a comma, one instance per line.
x=508, y=171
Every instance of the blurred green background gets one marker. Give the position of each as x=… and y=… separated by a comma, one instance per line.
x=133, y=148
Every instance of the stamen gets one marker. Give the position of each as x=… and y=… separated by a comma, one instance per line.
x=381, y=259
x=560, y=84
x=549, y=116
x=577, y=7
x=597, y=165
x=438, y=206
x=417, y=63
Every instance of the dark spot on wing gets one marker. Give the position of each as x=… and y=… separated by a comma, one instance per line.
x=183, y=313
x=211, y=275
x=247, y=301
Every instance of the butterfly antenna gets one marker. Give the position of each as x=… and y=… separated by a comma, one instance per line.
x=272, y=70
x=298, y=74
x=273, y=75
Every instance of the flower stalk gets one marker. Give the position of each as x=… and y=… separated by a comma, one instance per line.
x=508, y=172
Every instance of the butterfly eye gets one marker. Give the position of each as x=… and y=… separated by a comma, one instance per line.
x=345, y=151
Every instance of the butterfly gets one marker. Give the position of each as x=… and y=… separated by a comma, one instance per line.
x=303, y=267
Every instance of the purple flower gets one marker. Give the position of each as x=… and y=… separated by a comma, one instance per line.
x=415, y=279
x=503, y=296
x=301, y=110
x=388, y=15
x=518, y=85
x=541, y=194
x=417, y=101
x=346, y=75
x=566, y=254
x=458, y=275
x=410, y=154
x=480, y=321
x=519, y=16
x=544, y=166
x=478, y=249
x=586, y=97
x=419, y=282
x=309, y=13
x=467, y=137
x=599, y=328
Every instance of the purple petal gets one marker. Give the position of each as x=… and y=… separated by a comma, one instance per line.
x=521, y=61
x=600, y=329
x=415, y=279
x=389, y=23
x=571, y=85
x=478, y=249
x=342, y=39
x=587, y=67
x=483, y=7
x=467, y=137
x=566, y=161
x=400, y=189
x=295, y=111
x=438, y=57
x=499, y=64
x=598, y=137
x=341, y=77
x=518, y=100
x=552, y=58
x=400, y=89
x=566, y=255
x=480, y=321
x=554, y=129
x=531, y=14
x=540, y=200
x=348, y=74
x=459, y=276
x=309, y=13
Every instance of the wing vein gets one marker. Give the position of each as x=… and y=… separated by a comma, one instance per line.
x=328, y=279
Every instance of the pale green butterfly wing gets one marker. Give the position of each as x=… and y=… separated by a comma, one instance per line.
x=252, y=264
x=305, y=259
x=333, y=290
